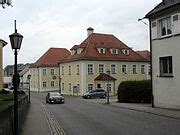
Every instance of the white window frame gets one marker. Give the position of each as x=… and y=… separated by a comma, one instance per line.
x=52, y=71
x=101, y=69
x=124, y=69
x=70, y=86
x=44, y=84
x=62, y=70
x=78, y=69
x=101, y=50
x=134, y=69
x=165, y=26
x=113, y=69
x=52, y=83
x=90, y=69
x=44, y=71
x=166, y=66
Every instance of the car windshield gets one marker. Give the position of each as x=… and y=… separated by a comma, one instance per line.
x=55, y=94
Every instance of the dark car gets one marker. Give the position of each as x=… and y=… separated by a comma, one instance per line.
x=54, y=97
x=98, y=93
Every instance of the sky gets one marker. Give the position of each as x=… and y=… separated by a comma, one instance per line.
x=64, y=23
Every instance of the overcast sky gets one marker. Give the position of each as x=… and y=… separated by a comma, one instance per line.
x=63, y=23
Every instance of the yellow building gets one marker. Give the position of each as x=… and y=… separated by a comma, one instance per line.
x=45, y=72
x=2, y=44
x=86, y=68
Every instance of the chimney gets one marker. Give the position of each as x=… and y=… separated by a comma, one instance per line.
x=90, y=31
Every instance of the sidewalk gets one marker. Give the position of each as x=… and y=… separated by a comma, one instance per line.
x=35, y=122
x=147, y=108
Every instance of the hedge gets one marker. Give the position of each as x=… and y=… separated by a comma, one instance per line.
x=135, y=91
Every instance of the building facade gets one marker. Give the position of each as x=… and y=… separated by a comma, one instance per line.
x=165, y=44
x=45, y=71
x=82, y=70
x=2, y=44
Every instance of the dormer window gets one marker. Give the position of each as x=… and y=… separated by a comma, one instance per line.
x=101, y=50
x=114, y=51
x=79, y=50
x=73, y=52
x=125, y=51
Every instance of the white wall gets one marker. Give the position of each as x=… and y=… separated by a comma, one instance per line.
x=166, y=90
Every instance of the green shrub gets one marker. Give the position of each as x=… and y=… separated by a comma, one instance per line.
x=135, y=91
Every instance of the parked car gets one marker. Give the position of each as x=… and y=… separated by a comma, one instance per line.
x=54, y=97
x=98, y=93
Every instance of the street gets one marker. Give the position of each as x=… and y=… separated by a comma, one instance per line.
x=81, y=117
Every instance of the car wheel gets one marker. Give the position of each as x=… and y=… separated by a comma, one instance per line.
x=88, y=97
x=104, y=96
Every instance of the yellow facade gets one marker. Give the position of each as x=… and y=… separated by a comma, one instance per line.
x=70, y=78
x=44, y=79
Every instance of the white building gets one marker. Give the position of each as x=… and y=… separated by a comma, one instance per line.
x=165, y=45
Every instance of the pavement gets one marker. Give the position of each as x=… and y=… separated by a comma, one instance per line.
x=39, y=120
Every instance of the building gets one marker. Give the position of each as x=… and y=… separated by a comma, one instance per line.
x=45, y=72
x=165, y=45
x=86, y=68
x=2, y=44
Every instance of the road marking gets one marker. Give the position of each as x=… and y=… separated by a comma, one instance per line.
x=53, y=124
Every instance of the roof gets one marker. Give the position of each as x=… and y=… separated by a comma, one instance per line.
x=96, y=40
x=104, y=77
x=146, y=54
x=51, y=57
x=165, y=4
x=24, y=71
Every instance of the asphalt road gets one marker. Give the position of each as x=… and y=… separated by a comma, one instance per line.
x=81, y=117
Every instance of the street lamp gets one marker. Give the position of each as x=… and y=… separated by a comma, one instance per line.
x=16, y=40
x=29, y=78
x=108, y=73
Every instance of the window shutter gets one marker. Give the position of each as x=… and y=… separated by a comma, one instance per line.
x=176, y=24
x=154, y=29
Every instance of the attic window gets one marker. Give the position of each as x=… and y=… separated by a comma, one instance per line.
x=73, y=52
x=114, y=51
x=125, y=51
x=101, y=50
x=79, y=50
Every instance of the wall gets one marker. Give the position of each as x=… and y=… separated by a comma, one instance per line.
x=166, y=90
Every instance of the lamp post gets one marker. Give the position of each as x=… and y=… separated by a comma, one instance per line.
x=29, y=78
x=16, y=40
x=108, y=73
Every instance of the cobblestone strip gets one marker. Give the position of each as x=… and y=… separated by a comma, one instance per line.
x=54, y=126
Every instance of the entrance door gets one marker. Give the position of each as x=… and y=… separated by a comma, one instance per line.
x=98, y=85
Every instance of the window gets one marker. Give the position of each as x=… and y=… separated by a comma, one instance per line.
x=69, y=86
x=166, y=68
x=113, y=69
x=90, y=69
x=101, y=50
x=52, y=71
x=69, y=70
x=165, y=26
x=78, y=69
x=101, y=68
x=90, y=87
x=124, y=69
x=142, y=69
x=109, y=86
x=44, y=85
x=62, y=86
x=62, y=70
x=44, y=72
x=52, y=83
x=125, y=51
x=114, y=51
x=134, y=69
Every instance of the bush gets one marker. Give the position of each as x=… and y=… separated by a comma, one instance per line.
x=135, y=91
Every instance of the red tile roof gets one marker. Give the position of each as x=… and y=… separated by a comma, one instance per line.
x=51, y=57
x=107, y=41
x=104, y=77
x=146, y=54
